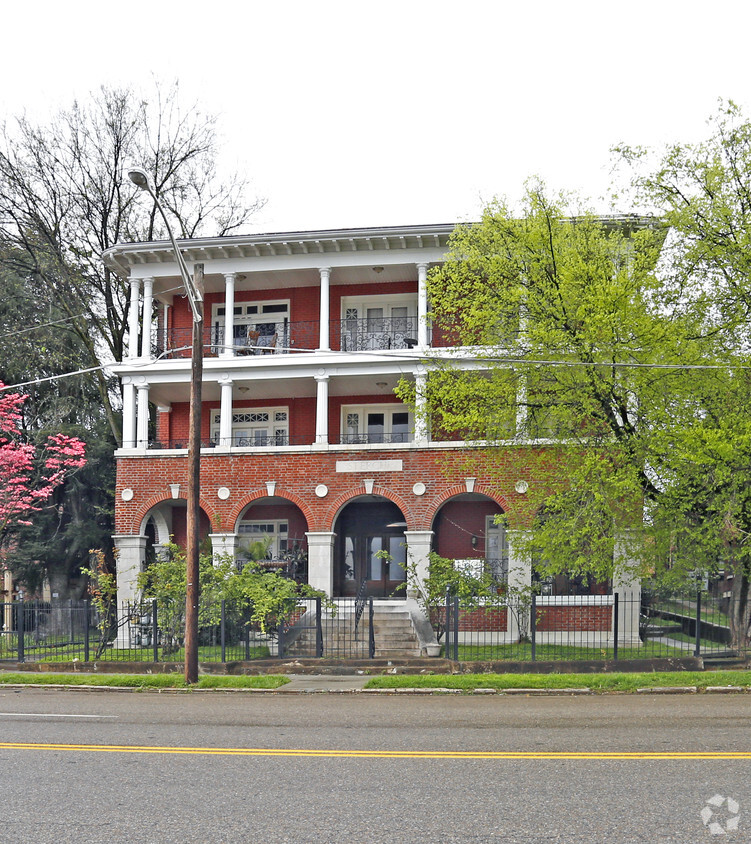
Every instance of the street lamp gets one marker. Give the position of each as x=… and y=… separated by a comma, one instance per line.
x=194, y=291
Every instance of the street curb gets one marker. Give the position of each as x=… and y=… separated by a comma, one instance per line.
x=439, y=690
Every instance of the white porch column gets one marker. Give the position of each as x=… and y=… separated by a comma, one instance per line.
x=422, y=428
x=519, y=577
x=142, y=424
x=419, y=544
x=165, y=327
x=131, y=554
x=135, y=289
x=422, y=306
x=228, y=346
x=223, y=544
x=322, y=409
x=129, y=413
x=225, y=421
x=321, y=561
x=324, y=342
x=628, y=588
x=148, y=307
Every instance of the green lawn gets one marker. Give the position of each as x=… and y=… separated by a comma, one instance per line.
x=522, y=652
x=145, y=681
x=614, y=682
x=75, y=652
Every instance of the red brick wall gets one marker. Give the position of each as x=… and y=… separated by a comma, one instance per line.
x=553, y=619
x=480, y=619
x=298, y=473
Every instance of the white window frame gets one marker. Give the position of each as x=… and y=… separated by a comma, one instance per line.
x=251, y=314
x=362, y=434
x=276, y=427
x=279, y=538
x=356, y=308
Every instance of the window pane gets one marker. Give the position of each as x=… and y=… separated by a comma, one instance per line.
x=398, y=563
x=375, y=564
x=400, y=427
x=376, y=427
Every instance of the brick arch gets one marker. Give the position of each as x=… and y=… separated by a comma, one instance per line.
x=338, y=504
x=144, y=510
x=435, y=504
x=255, y=495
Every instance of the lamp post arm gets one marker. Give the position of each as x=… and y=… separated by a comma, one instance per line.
x=190, y=289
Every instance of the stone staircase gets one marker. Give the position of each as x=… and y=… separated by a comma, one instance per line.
x=394, y=633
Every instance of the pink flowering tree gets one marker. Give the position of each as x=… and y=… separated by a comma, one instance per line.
x=29, y=474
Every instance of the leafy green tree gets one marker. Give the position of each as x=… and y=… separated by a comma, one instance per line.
x=36, y=343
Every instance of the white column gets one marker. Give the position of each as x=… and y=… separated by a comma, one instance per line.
x=142, y=425
x=422, y=306
x=225, y=421
x=519, y=578
x=131, y=555
x=324, y=344
x=135, y=289
x=129, y=413
x=223, y=544
x=422, y=429
x=419, y=544
x=321, y=561
x=148, y=307
x=322, y=409
x=228, y=349
x=628, y=588
x=165, y=327
x=521, y=402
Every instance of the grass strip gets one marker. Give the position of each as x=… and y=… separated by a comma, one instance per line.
x=597, y=682
x=145, y=681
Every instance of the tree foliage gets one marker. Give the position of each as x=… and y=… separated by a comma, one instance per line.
x=617, y=366
x=65, y=197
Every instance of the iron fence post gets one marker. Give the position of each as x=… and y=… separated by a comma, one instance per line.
x=154, y=630
x=20, y=627
x=72, y=622
x=222, y=632
x=319, y=629
x=86, y=609
x=533, y=627
x=371, y=631
x=456, y=628
x=280, y=640
x=247, y=632
x=447, y=625
x=615, y=625
x=697, y=648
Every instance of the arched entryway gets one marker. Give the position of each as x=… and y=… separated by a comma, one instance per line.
x=370, y=548
x=282, y=527
x=466, y=528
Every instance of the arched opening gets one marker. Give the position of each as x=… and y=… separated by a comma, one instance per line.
x=467, y=529
x=280, y=526
x=370, y=551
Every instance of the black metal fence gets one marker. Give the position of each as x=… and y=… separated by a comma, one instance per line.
x=588, y=627
x=67, y=631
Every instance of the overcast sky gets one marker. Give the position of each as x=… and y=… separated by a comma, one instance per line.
x=388, y=113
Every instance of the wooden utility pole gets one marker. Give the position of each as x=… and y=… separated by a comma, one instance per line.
x=194, y=491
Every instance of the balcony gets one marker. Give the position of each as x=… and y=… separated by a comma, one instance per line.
x=285, y=337
x=274, y=441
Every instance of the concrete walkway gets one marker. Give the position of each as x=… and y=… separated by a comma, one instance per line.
x=323, y=683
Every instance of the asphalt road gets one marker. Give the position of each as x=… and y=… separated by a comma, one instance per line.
x=229, y=767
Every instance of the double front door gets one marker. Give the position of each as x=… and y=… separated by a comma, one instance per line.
x=380, y=560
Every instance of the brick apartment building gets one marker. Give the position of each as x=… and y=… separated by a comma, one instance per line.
x=306, y=334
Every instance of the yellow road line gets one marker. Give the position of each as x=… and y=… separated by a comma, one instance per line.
x=383, y=754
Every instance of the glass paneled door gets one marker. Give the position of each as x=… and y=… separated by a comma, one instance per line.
x=372, y=548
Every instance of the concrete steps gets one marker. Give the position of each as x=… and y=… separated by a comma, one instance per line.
x=394, y=633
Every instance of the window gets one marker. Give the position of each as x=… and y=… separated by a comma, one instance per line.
x=255, y=427
x=275, y=532
x=376, y=424
x=379, y=322
x=256, y=325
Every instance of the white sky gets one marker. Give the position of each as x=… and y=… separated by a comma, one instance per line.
x=388, y=113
